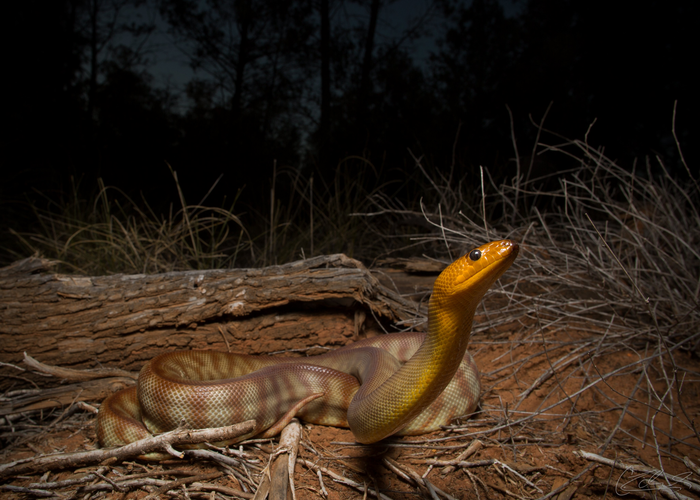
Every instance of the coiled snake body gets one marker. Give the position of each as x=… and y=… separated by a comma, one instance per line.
x=401, y=383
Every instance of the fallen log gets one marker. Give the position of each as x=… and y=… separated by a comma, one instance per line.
x=124, y=320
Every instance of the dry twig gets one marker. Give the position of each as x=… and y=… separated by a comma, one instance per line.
x=162, y=443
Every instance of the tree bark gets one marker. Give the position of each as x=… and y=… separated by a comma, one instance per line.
x=125, y=320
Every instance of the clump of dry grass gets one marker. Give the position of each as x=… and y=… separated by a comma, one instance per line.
x=111, y=233
x=309, y=217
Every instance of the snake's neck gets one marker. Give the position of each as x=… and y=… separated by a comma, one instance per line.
x=449, y=329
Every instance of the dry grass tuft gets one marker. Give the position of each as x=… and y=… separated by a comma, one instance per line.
x=111, y=233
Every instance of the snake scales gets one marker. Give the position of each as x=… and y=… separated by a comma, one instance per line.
x=401, y=383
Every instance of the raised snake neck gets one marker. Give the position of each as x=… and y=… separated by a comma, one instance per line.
x=409, y=383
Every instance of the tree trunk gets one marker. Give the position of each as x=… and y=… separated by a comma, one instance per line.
x=124, y=320
x=325, y=122
x=365, y=79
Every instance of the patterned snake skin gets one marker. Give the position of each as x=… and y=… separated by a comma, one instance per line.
x=401, y=383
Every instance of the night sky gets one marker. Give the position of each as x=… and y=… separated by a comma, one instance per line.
x=462, y=64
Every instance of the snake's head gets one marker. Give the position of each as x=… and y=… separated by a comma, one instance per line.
x=469, y=277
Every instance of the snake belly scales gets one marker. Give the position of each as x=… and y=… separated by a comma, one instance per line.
x=400, y=383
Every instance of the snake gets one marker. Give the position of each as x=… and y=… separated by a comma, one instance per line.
x=401, y=383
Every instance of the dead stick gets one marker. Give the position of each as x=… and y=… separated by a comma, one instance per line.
x=420, y=482
x=473, y=447
x=73, y=374
x=220, y=489
x=461, y=463
x=279, y=479
x=343, y=480
x=162, y=443
x=28, y=491
x=691, y=485
x=289, y=442
x=181, y=481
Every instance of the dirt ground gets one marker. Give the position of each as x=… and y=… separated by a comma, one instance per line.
x=547, y=397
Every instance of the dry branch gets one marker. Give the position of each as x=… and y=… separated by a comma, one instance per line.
x=162, y=443
x=278, y=478
x=63, y=395
x=656, y=473
x=473, y=447
x=80, y=375
x=185, y=480
x=343, y=480
x=412, y=477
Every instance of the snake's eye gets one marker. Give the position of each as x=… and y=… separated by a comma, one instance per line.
x=474, y=255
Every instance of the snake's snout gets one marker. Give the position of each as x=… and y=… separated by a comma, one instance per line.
x=512, y=247
x=503, y=248
x=499, y=255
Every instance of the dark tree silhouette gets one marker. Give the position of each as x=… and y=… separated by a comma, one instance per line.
x=100, y=22
x=324, y=132
x=252, y=60
x=249, y=50
x=308, y=84
x=42, y=112
x=367, y=59
x=361, y=97
x=595, y=61
x=470, y=73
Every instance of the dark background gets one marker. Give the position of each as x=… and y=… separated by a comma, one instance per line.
x=308, y=83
